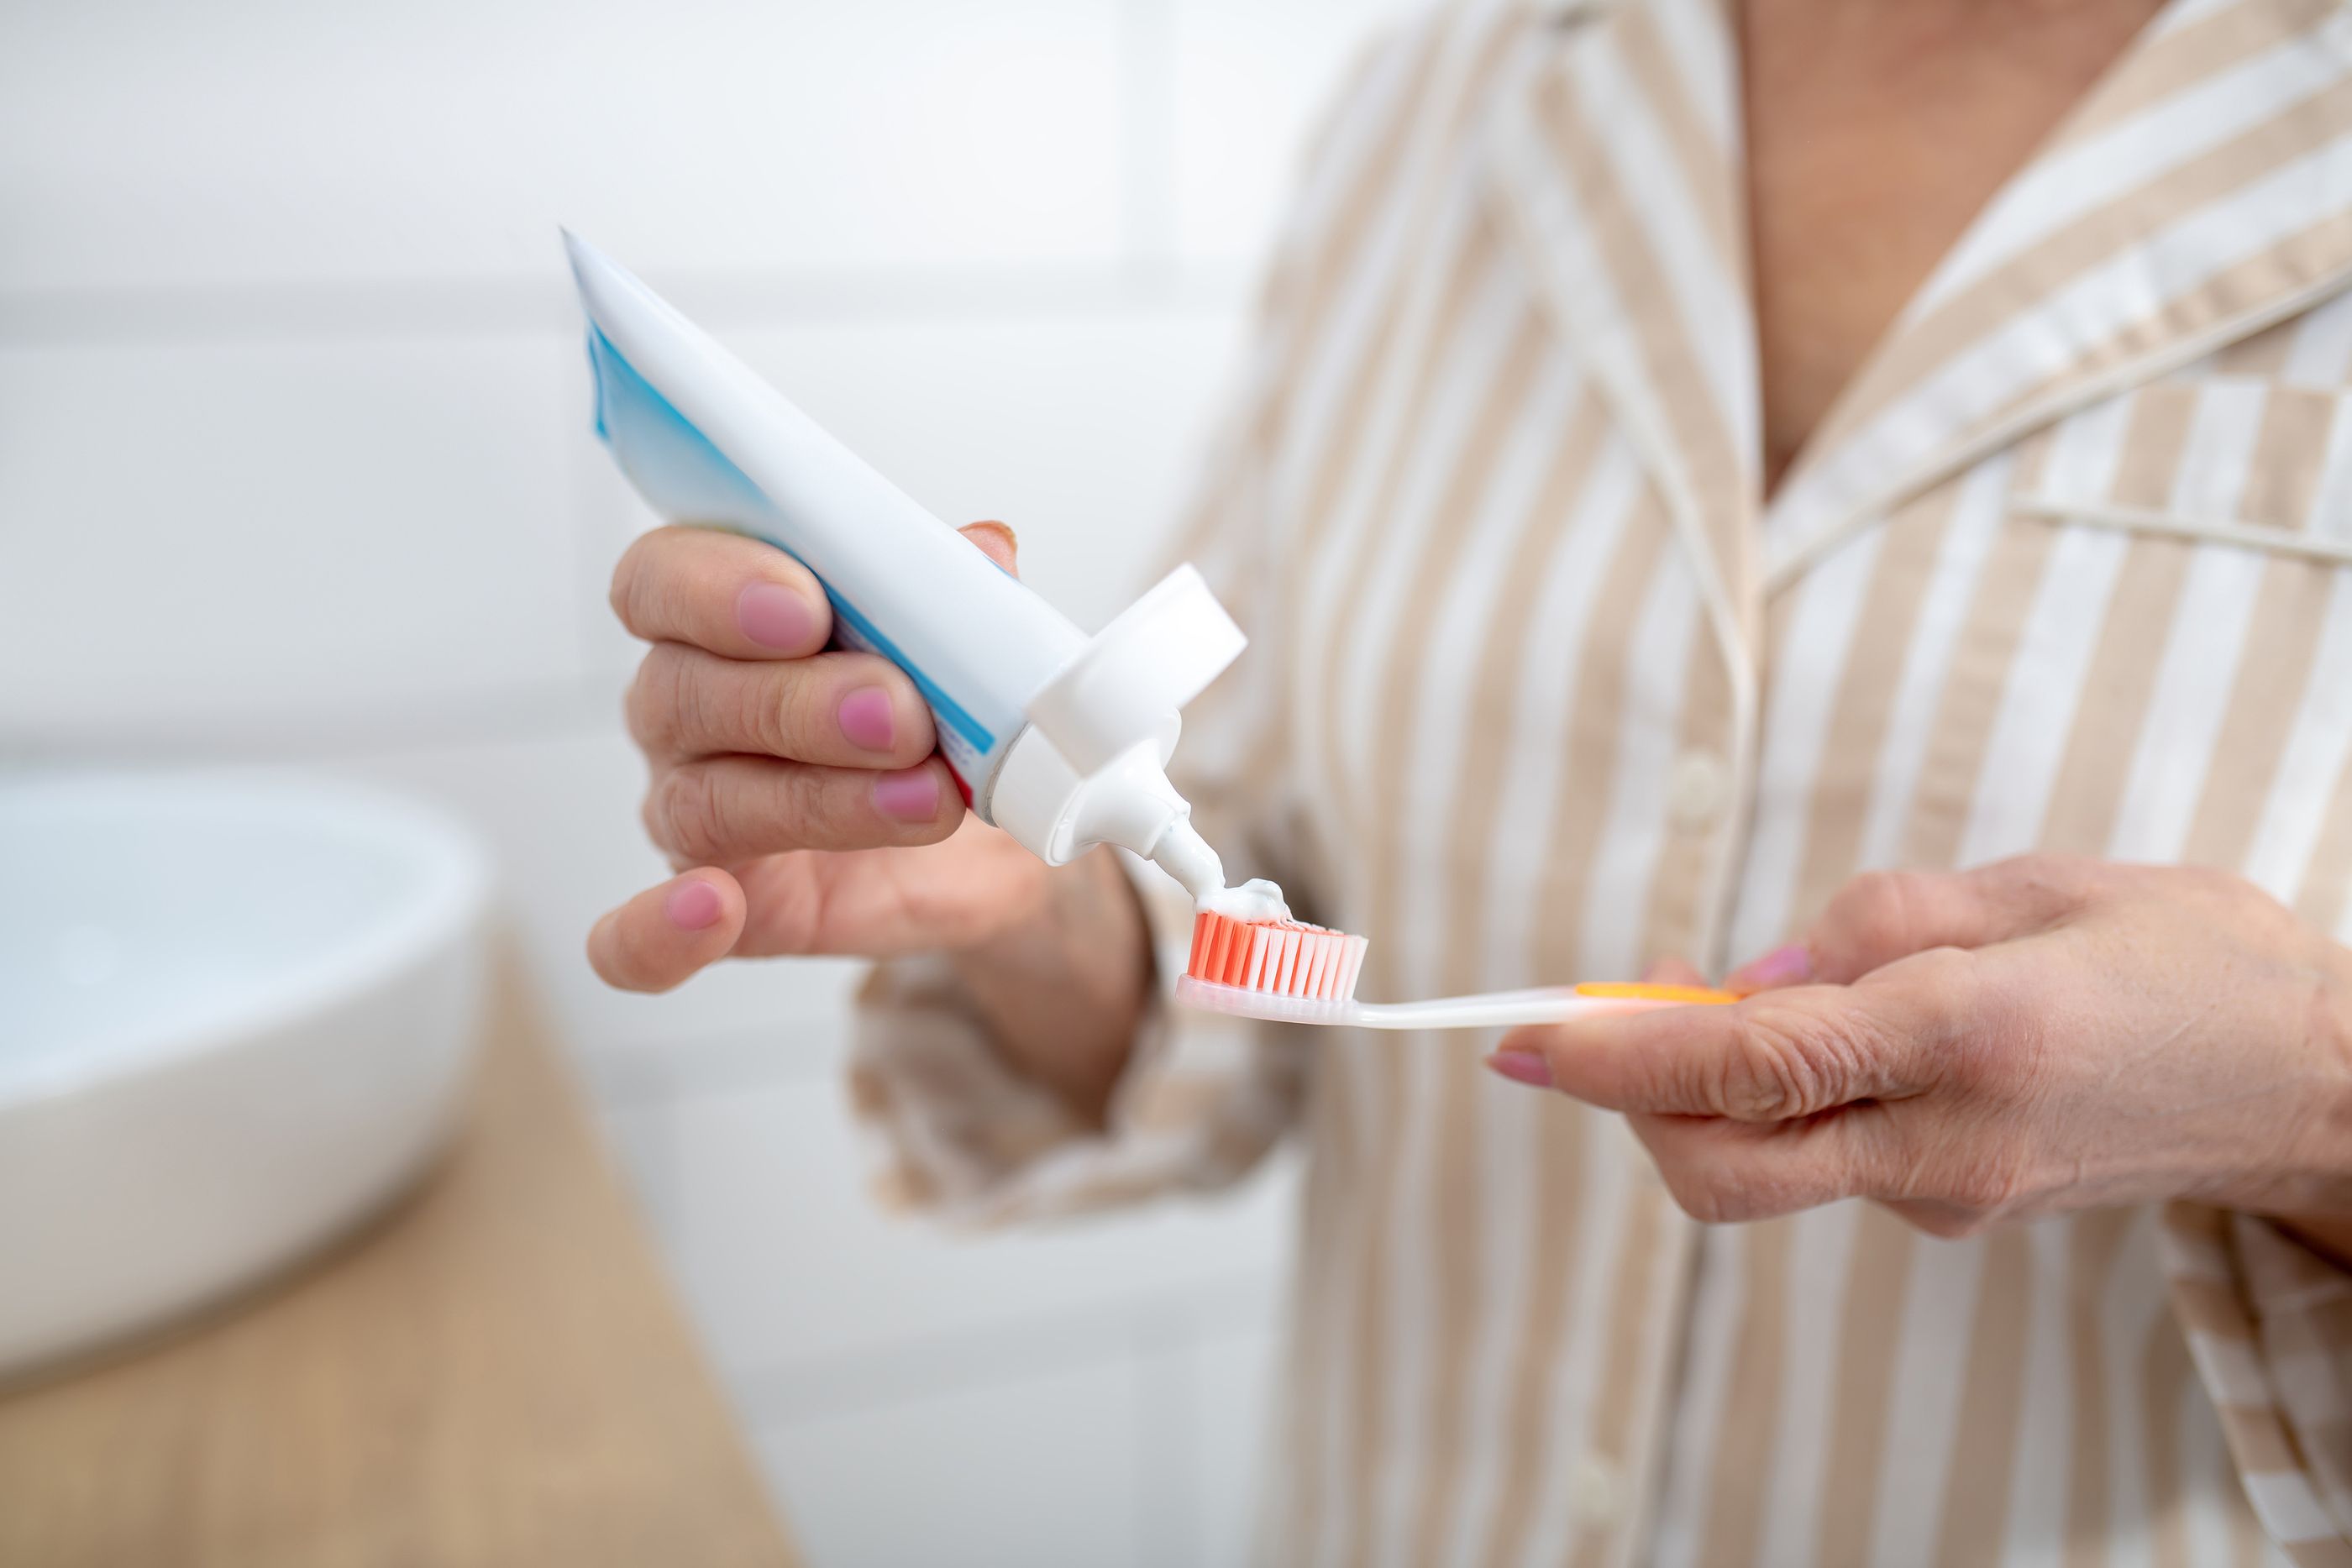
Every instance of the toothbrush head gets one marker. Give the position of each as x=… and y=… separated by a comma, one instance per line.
x=1275, y=958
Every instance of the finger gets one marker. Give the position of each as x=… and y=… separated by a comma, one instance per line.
x=722, y=809
x=739, y=597
x=734, y=596
x=1881, y=916
x=1724, y=1172
x=666, y=932
x=1672, y=972
x=998, y=542
x=1775, y=1057
x=886, y=901
x=841, y=709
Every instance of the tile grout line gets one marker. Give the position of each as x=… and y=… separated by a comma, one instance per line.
x=527, y=305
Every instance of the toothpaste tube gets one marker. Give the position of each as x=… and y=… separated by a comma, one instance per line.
x=1058, y=739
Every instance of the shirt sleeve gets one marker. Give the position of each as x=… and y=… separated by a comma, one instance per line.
x=2269, y=1327
x=958, y=1130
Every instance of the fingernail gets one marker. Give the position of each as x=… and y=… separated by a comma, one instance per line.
x=1527, y=1067
x=866, y=720
x=692, y=905
x=913, y=796
x=1788, y=965
x=1003, y=535
x=774, y=616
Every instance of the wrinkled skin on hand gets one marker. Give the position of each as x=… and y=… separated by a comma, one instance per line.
x=2044, y=1034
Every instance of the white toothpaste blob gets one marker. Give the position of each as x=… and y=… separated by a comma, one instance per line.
x=1255, y=900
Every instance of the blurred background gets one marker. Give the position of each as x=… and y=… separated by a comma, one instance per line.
x=296, y=469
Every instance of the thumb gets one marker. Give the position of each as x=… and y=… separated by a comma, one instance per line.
x=1883, y=915
x=995, y=541
x=664, y=933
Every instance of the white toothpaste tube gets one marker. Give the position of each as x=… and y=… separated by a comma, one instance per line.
x=1058, y=739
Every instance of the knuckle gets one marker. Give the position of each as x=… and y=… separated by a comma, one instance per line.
x=649, y=815
x=1716, y=1191
x=2236, y=899
x=1871, y=910
x=814, y=809
x=1941, y=988
x=1982, y=1188
x=2056, y=881
x=794, y=710
x=793, y=915
x=631, y=592
x=1782, y=1067
x=1709, y=1196
x=763, y=709
x=657, y=697
x=692, y=812
x=1981, y=1038
x=1874, y=900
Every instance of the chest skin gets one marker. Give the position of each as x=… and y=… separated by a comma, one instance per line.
x=1876, y=130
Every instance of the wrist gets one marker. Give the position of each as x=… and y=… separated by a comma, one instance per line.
x=1062, y=988
x=1067, y=911
x=2316, y=1183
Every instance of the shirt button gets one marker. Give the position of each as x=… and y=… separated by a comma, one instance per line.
x=1696, y=792
x=1597, y=1491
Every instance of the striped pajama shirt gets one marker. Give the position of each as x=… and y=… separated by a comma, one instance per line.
x=1542, y=687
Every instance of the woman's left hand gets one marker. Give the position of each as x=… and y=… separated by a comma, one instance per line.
x=2044, y=1034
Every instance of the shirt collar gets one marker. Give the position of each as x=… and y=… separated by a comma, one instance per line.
x=2200, y=191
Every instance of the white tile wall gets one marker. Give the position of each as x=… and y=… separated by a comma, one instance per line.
x=1232, y=1385
x=1250, y=76
x=788, y=1264
x=1037, y=1473
x=176, y=519
x=1082, y=434
x=256, y=141
x=294, y=466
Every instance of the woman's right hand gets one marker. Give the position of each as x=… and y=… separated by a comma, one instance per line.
x=800, y=781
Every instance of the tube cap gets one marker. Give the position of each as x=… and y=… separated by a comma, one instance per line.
x=1089, y=768
x=1127, y=684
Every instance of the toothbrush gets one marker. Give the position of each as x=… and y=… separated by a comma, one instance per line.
x=1287, y=971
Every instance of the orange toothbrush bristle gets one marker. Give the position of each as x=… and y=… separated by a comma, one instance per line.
x=1281, y=957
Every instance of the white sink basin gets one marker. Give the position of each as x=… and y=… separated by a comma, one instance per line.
x=235, y=1015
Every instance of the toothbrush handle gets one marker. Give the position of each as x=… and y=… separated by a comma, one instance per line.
x=1542, y=1004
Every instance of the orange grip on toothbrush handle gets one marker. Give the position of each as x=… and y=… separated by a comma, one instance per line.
x=1640, y=991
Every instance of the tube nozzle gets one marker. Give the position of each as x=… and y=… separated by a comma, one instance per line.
x=1185, y=855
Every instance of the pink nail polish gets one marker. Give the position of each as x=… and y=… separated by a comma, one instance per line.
x=913, y=796
x=692, y=905
x=1527, y=1067
x=1789, y=966
x=867, y=719
x=774, y=616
